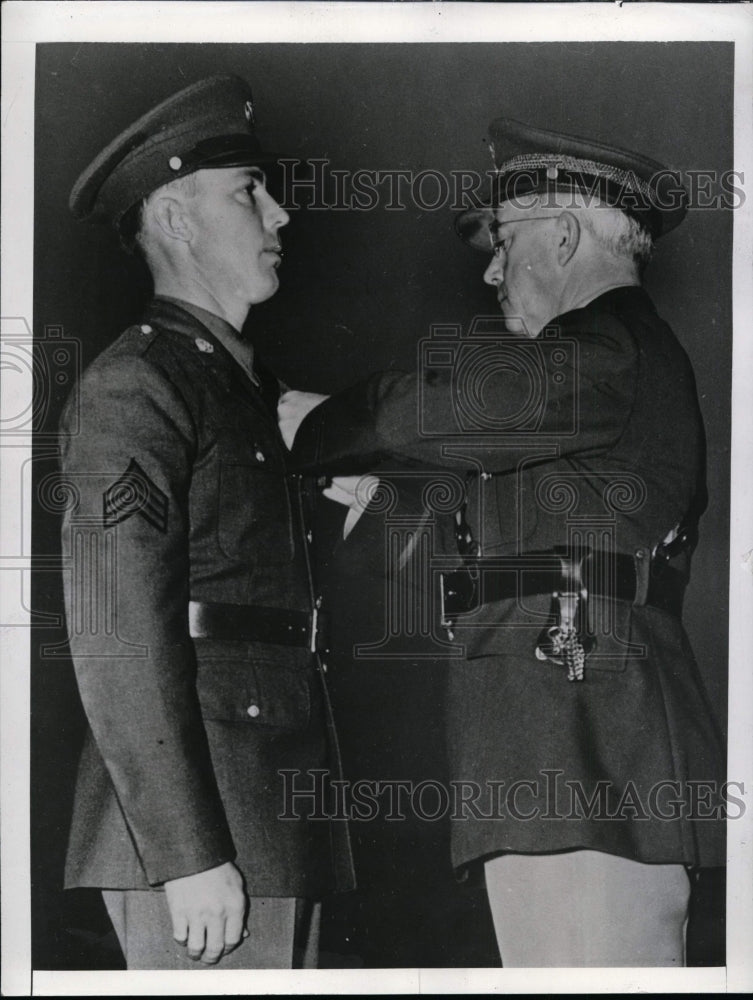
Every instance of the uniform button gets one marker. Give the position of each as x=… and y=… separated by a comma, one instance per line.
x=324, y=668
x=204, y=346
x=145, y=328
x=309, y=537
x=253, y=711
x=175, y=163
x=260, y=456
x=640, y=553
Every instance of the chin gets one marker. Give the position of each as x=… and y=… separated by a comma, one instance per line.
x=262, y=295
x=514, y=324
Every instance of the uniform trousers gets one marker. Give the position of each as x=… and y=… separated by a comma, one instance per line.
x=583, y=909
x=283, y=933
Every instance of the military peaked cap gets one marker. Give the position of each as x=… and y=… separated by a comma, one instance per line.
x=207, y=125
x=530, y=160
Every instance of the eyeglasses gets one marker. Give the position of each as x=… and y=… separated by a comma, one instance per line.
x=501, y=244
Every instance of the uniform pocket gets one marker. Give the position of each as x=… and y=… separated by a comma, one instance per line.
x=514, y=629
x=511, y=514
x=265, y=693
x=284, y=695
x=255, y=513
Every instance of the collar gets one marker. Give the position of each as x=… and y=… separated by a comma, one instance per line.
x=621, y=298
x=240, y=349
x=588, y=298
x=213, y=350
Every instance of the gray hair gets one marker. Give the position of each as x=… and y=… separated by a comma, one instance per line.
x=617, y=233
x=611, y=229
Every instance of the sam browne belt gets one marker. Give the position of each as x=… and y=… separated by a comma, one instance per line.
x=570, y=577
x=603, y=574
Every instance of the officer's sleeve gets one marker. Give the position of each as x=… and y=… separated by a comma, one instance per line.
x=568, y=396
x=126, y=592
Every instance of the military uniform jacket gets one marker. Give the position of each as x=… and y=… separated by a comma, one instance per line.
x=589, y=433
x=179, y=493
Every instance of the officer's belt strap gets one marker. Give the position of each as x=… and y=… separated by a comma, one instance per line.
x=607, y=575
x=254, y=623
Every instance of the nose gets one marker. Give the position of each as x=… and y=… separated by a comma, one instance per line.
x=273, y=213
x=495, y=272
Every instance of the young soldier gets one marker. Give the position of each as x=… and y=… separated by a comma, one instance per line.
x=189, y=604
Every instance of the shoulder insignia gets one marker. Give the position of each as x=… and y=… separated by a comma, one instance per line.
x=139, y=338
x=135, y=493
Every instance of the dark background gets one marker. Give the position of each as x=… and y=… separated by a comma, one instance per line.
x=359, y=289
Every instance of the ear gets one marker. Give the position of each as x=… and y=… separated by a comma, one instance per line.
x=568, y=237
x=172, y=218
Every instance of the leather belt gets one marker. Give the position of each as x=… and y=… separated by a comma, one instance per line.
x=608, y=575
x=254, y=623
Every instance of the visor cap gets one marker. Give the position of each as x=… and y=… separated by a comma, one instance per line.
x=530, y=160
x=209, y=124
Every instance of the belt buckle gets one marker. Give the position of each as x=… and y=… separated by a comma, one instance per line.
x=318, y=629
x=314, y=629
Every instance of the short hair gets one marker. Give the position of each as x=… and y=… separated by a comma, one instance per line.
x=619, y=234
x=130, y=228
x=612, y=229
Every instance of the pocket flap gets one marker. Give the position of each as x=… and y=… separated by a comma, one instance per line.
x=261, y=692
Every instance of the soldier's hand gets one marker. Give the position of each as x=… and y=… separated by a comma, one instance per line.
x=293, y=406
x=208, y=911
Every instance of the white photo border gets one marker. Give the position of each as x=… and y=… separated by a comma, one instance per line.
x=26, y=24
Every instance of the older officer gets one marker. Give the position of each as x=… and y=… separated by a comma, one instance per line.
x=577, y=714
x=188, y=601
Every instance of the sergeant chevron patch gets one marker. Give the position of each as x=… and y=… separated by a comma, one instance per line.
x=135, y=493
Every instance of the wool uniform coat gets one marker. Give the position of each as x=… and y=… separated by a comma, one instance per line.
x=590, y=433
x=180, y=493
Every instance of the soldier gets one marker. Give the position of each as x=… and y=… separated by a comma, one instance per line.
x=189, y=605
x=577, y=712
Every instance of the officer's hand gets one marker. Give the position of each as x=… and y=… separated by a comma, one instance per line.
x=354, y=492
x=208, y=911
x=293, y=406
